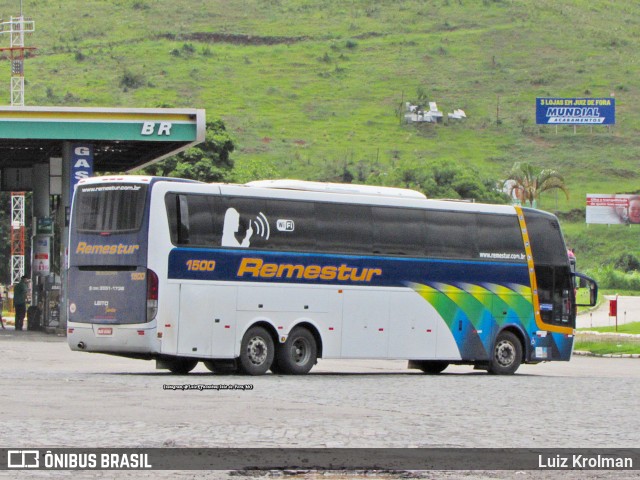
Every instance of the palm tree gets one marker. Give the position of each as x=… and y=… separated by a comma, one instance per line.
x=526, y=182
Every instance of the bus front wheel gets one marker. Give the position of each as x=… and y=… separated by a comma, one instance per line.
x=256, y=351
x=181, y=365
x=298, y=354
x=507, y=354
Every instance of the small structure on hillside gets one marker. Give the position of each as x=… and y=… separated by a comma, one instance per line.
x=458, y=114
x=417, y=113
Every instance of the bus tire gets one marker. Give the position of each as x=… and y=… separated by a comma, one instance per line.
x=221, y=367
x=431, y=367
x=298, y=354
x=181, y=365
x=275, y=368
x=507, y=354
x=256, y=351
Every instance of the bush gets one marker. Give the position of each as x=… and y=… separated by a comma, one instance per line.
x=610, y=278
x=627, y=263
x=131, y=80
x=448, y=180
x=188, y=48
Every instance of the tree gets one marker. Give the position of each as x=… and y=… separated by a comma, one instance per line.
x=448, y=180
x=526, y=182
x=209, y=161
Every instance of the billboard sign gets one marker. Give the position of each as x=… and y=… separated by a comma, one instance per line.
x=575, y=111
x=612, y=209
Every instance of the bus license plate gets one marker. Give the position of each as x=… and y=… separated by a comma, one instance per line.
x=105, y=331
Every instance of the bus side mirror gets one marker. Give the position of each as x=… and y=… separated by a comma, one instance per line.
x=591, y=284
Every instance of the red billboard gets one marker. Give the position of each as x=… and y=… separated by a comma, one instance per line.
x=613, y=209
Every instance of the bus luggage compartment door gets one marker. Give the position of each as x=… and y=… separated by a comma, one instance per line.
x=365, y=324
x=207, y=326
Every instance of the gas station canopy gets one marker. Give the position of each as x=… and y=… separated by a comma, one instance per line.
x=122, y=139
x=47, y=150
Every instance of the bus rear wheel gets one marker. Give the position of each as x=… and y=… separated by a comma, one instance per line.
x=507, y=354
x=275, y=368
x=298, y=354
x=431, y=367
x=256, y=351
x=181, y=365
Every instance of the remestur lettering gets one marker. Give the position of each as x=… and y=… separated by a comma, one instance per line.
x=85, y=249
x=257, y=268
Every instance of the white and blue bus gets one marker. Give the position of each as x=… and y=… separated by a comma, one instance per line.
x=273, y=275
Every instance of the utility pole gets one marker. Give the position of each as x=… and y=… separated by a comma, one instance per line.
x=17, y=236
x=16, y=27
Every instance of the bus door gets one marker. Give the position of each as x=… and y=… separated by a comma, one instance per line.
x=556, y=295
x=556, y=299
x=108, y=279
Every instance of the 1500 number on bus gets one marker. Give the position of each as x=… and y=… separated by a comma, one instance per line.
x=201, y=265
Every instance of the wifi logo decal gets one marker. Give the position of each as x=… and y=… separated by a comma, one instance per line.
x=261, y=227
x=285, y=225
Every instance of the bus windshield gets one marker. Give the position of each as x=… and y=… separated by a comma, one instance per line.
x=110, y=208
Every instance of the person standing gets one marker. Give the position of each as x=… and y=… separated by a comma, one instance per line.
x=20, y=301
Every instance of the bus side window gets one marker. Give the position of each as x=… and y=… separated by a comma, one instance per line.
x=202, y=219
x=292, y=225
x=398, y=231
x=501, y=234
x=182, y=220
x=178, y=217
x=343, y=228
x=451, y=235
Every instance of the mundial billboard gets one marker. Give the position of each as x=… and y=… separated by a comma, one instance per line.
x=575, y=111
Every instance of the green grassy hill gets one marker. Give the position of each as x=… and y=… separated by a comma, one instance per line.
x=309, y=88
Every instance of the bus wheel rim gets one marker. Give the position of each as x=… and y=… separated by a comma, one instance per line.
x=257, y=350
x=300, y=351
x=505, y=353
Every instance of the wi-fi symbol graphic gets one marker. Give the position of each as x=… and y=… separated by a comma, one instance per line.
x=261, y=226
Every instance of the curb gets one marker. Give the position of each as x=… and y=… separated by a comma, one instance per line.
x=613, y=334
x=591, y=336
x=606, y=355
